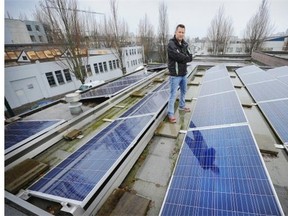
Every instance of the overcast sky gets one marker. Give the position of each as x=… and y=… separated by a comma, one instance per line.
x=195, y=14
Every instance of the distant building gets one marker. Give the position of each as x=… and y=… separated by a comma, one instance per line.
x=24, y=32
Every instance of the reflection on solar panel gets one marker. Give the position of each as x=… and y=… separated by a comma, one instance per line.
x=276, y=113
x=115, y=87
x=218, y=109
x=216, y=86
x=220, y=172
x=215, y=74
x=152, y=103
x=256, y=77
x=269, y=90
x=83, y=172
x=18, y=133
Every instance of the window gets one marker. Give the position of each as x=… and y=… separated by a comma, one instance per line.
x=100, y=67
x=105, y=66
x=132, y=63
x=67, y=75
x=130, y=51
x=110, y=64
x=117, y=62
x=126, y=52
x=24, y=58
x=59, y=77
x=128, y=64
x=88, y=69
x=32, y=37
x=37, y=28
x=29, y=27
x=114, y=64
x=96, y=68
x=40, y=38
x=50, y=79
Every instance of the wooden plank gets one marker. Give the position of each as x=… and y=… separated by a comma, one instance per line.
x=131, y=204
x=23, y=174
x=72, y=134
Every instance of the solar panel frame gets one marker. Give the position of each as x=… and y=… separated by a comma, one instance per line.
x=207, y=180
x=37, y=189
x=28, y=135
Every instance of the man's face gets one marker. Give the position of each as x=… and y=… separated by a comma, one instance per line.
x=180, y=33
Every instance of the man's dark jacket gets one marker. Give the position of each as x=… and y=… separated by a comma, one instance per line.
x=178, y=56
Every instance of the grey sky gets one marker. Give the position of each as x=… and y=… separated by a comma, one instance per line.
x=195, y=14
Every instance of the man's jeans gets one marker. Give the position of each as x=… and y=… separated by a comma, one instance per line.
x=176, y=81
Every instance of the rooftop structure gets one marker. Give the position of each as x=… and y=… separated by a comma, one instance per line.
x=127, y=147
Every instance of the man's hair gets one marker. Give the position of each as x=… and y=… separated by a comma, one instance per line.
x=180, y=26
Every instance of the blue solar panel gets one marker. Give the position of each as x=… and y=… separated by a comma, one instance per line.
x=277, y=114
x=165, y=85
x=256, y=78
x=218, y=109
x=270, y=90
x=114, y=87
x=86, y=169
x=216, y=86
x=152, y=103
x=20, y=132
x=220, y=172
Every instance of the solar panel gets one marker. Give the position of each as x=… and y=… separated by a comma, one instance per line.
x=216, y=86
x=20, y=132
x=279, y=71
x=215, y=75
x=277, y=114
x=256, y=77
x=165, y=85
x=152, y=103
x=220, y=172
x=115, y=87
x=284, y=79
x=83, y=172
x=248, y=70
x=218, y=109
x=270, y=90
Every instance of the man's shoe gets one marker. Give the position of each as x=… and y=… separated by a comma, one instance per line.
x=185, y=109
x=172, y=119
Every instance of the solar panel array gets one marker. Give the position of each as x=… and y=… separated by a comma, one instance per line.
x=115, y=87
x=219, y=169
x=80, y=175
x=20, y=132
x=271, y=94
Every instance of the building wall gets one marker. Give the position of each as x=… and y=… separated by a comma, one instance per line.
x=273, y=46
x=268, y=59
x=28, y=83
x=36, y=32
x=132, y=58
x=16, y=32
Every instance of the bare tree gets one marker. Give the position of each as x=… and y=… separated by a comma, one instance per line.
x=163, y=32
x=146, y=35
x=115, y=33
x=219, y=32
x=258, y=28
x=63, y=22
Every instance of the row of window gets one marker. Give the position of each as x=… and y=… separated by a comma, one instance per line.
x=59, y=76
x=99, y=67
x=133, y=51
x=29, y=27
x=33, y=38
x=134, y=62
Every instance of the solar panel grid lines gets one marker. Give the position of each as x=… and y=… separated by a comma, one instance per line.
x=217, y=109
x=248, y=70
x=276, y=113
x=81, y=174
x=220, y=172
x=216, y=86
x=20, y=132
x=270, y=90
x=283, y=79
x=115, y=87
x=257, y=77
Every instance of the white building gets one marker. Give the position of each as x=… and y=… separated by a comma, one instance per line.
x=24, y=32
x=35, y=75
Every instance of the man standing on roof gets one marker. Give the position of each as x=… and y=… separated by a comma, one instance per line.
x=178, y=56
